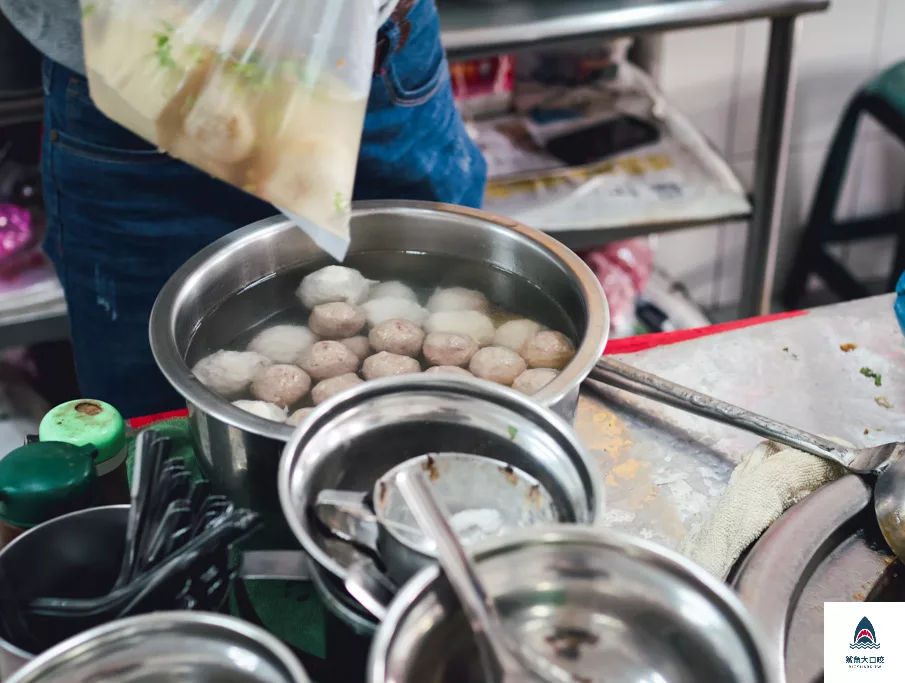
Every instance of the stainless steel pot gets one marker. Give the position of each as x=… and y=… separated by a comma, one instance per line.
x=602, y=605
x=240, y=451
x=352, y=440
x=168, y=646
x=82, y=548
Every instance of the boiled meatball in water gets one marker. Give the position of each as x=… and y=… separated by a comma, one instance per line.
x=359, y=345
x=299, y=416
x=385, y=364
x=328, y=359
x=282, y=385
x=467, y=323
x=548, y=349
x=268, y=411
x=457, y=299
x=283, y=343
x=401, y=337
x=336, y=320
x=335, y=385
x=497, y=364
x=448, y=348
x=515, y=333
x=333, y=283
x=448, y=370
x=229, y=373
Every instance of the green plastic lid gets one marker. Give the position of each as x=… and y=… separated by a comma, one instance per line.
x=86, y=421
x=44, y=480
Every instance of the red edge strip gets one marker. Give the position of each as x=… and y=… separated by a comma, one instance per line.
x=627, y=345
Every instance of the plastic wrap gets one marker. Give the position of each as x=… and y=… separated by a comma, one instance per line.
x=267, y=95
x=623, y=269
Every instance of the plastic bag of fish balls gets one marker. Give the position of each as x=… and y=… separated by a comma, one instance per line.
x=350, y=329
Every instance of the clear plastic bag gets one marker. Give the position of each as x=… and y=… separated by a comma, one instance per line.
x=268, y=95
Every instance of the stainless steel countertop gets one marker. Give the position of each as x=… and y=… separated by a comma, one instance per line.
x=665, y=469
x=476, y=27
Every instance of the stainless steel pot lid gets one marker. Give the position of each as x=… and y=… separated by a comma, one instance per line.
x=604, y=606
x=349, y=442
x=825, y=549
x=166, y=647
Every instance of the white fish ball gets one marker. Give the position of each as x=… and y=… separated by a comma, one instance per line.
x=385, y=364
x=457, y=299
x=548, y=349
x=333, y=386
x=393, y=290
x=388, y=308
x=448, y=370
x=359, y=345
x=402, y=337
x=449, y=348
x=469, y=323
x=497, y=364
x=268, y=411
x=299, y=416
x=333, y=283
x=532, y=381
x=336, y=320
x=229, y=373
x=515, y=333
x=281, y=384
x=328, y=359
x=283, y=343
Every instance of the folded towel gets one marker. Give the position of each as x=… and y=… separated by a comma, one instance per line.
x=767, y=482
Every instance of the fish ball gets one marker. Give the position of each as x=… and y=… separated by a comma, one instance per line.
x=448, y=348
x=360, y=346
x=393, y=290
x=385, y=364
x=448, y=370
x=268, y=411
x=388, y=308
x=333, y=283
x=220, y=124
x=281, y=384
x=548, y=349
x=468, y=323
x=328, y=359
x=333, y=386
x=497, y=364
x=336, y=320
x=299, y=416
x=402, y=337
x=457, y=299
x=515, y=333
x=532, y=381
x=229, y=373
x=283, y=343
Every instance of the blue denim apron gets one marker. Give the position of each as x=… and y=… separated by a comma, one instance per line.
x=122, y=216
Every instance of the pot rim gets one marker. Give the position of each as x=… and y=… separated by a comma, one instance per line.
x=119, y=628
x=320, y=418
x=173, y=366
x=670, y=560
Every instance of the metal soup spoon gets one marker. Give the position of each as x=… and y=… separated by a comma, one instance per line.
x=884, y=462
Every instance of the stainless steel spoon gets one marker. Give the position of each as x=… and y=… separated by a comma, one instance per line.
x=503, y=659
x=885, y=462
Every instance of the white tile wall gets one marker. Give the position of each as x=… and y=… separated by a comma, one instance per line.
x=715, y=75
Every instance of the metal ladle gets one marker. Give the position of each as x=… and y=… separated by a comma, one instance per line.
x=884, y=462
x=503, y=659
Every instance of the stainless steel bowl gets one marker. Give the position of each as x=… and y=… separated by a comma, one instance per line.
x=240, y=451
x=604, y=606
x=168, y=646
x=350, y=441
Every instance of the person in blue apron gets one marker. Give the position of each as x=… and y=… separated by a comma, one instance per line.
x=123, y=216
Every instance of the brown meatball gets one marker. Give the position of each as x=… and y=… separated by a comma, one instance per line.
x=449, y=348
x=333, y=386
x=282, y=385
x=398, y=336
x=385, y=364
x=548, y=349
x=497, y=364
x=336, y=320
x=299, y=416
x=328, y=359
x=357, y=345
x=448, y=370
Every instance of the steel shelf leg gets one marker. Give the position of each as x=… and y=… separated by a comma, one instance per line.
x=770, y=175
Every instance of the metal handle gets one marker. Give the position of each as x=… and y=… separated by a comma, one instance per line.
x=274, y=565
x=348, y=515
x=367, y=584
x=617, y=374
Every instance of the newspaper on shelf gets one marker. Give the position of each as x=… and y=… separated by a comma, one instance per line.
x=678, y=179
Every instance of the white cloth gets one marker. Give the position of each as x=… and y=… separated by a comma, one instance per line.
x=767, y=482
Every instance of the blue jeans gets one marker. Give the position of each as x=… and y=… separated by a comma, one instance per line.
x=122, y=216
